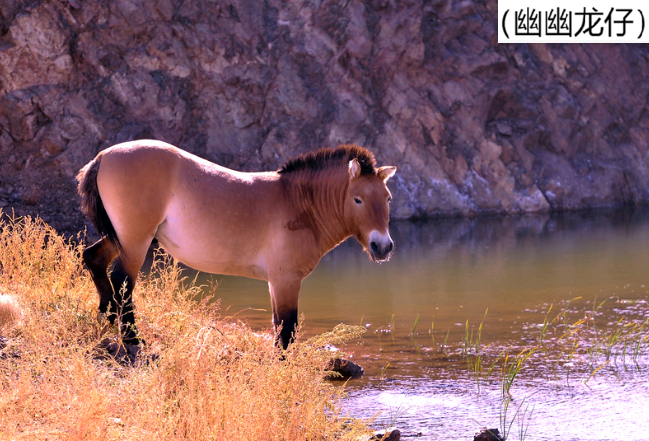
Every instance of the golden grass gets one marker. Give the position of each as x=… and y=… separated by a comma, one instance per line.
x=213, y=379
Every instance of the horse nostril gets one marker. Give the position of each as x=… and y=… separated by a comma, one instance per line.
x=374, y=246
x=390, y=247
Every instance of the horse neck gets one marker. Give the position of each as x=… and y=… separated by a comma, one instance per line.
x=320, y=197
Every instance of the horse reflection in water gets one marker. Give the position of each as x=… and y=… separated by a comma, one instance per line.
x=273, y=226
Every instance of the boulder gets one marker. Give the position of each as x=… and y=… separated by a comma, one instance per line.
x=488, y=435
x=390, y=434
x=344, y=368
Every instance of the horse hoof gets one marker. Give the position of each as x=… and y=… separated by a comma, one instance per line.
x=134, y=341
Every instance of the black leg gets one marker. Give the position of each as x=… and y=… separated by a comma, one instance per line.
x=123, y=285
x=97, y=258
x=288, y=321
x=284, y=295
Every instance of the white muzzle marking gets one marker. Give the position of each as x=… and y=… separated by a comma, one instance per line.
x=380, y=246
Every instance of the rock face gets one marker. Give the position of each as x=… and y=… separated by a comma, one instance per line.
x=473, y=126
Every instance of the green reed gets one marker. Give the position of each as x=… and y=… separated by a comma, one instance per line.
x=383, y=369
x=414, y=326
x=479, y=339
x=524, y=417
x=510, y=369
x=585, y=347
x=625, y=341
x=431, y=331
x=546, y=323
x=466, y=342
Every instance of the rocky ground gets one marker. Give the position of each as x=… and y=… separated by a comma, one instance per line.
x=473, y=126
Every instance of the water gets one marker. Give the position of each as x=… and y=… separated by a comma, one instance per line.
x=514, y=270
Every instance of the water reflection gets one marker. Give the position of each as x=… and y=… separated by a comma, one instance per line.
x=448, y=273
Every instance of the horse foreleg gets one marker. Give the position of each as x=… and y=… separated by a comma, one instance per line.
x=284, y=294
x=97, y=258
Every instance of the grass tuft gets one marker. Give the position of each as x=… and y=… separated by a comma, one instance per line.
x=211, y=378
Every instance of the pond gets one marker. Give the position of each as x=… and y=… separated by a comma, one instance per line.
x=535, y=324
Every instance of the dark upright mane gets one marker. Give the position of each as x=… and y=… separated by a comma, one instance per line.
x=327, y=157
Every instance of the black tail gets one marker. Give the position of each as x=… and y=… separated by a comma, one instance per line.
x=91, y=203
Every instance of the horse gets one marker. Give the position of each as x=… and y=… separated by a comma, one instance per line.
x=274, y=226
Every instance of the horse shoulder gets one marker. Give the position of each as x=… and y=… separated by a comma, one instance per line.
x=295, y=250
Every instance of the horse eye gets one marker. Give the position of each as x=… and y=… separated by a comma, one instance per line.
x=358, y=201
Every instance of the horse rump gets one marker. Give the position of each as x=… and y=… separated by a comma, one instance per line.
x=91, y=204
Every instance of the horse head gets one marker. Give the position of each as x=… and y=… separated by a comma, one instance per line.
x=367, y=210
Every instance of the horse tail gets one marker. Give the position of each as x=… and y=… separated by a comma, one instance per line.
x=91, y=204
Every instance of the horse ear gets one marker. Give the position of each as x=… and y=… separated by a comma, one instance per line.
x=354, y=169
x=386, y=172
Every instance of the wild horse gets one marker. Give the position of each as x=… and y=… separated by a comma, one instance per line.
x=273, y=226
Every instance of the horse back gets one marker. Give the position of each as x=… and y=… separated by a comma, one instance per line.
x=209, y=217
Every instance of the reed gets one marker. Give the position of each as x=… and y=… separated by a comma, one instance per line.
x=546, y=323
x=522, y=415
x=466, y=341
x=585, y=348
x=479, y=339
x=432, y=330
x=477, y=361
x=414, y=326
x=597, y=345
x=511, y=368
x=200, y=377
x=477, y=368
x=396, y=413
x=383, y=375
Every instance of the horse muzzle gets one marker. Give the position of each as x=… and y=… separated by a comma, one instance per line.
x=381, y=246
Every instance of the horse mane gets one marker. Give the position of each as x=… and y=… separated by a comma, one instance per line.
x=331, y=157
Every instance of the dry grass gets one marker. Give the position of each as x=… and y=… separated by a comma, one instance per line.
x=212, y=380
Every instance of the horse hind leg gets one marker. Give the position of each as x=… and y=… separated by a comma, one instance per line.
x=97, y=258
x=123, y=279
x=115, y=291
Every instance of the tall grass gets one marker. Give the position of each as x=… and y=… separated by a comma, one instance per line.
x=210, y=378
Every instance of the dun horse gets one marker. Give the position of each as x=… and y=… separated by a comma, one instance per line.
x=273, y=226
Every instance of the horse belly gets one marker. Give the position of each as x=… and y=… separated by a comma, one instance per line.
x=211, y=249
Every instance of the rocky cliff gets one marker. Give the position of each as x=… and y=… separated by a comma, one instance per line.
x=473, y=126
